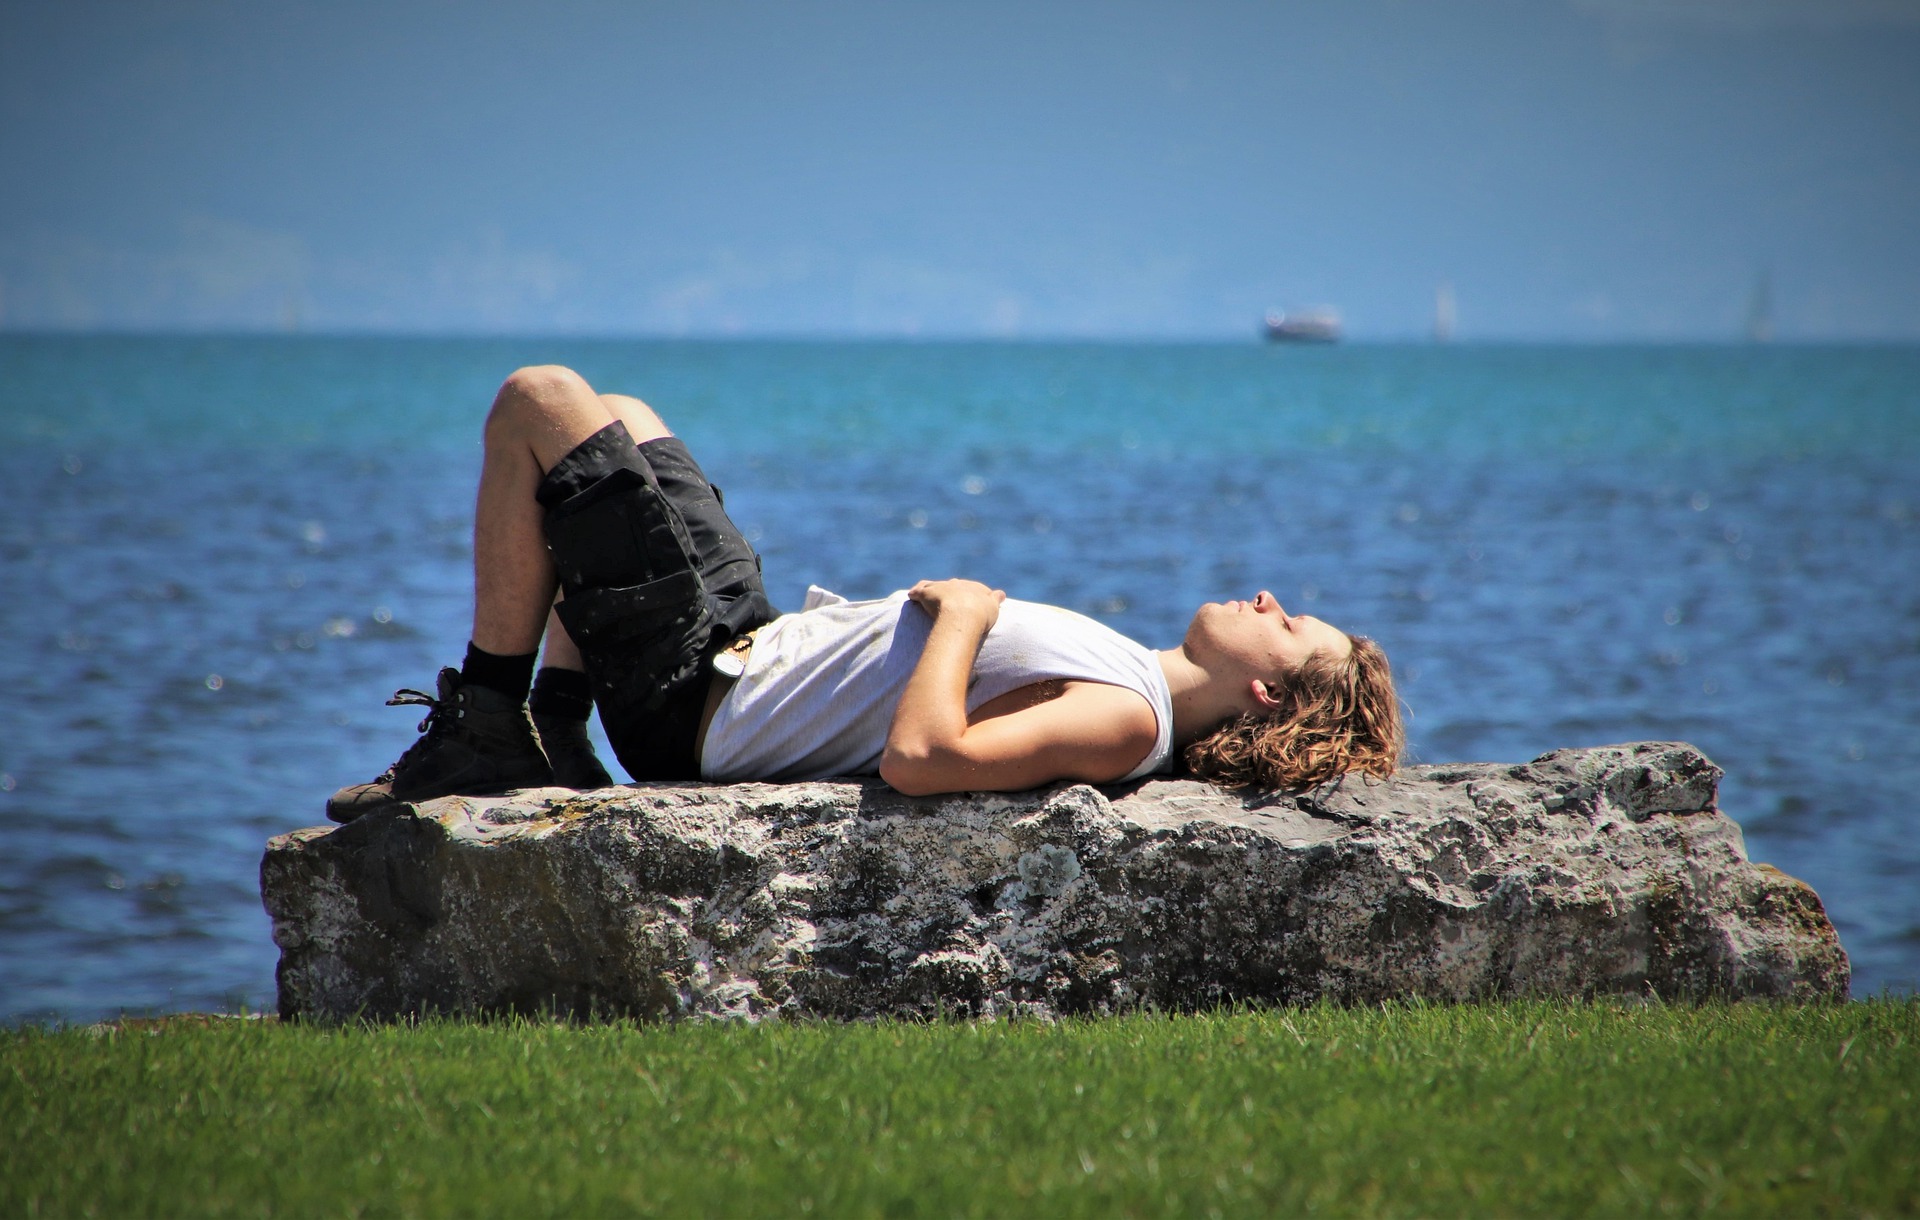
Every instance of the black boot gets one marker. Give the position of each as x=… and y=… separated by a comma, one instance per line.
x=568, y=747
x=475, y=741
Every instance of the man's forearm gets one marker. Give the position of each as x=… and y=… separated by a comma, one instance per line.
x=932, y=716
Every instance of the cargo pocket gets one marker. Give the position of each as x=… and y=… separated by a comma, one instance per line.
x=641, y=642
x=619, y=533
x=633, y=614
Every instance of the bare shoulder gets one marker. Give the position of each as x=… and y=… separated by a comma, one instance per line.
x=1098, y=732
x=1111, y=722
x=1124, y=709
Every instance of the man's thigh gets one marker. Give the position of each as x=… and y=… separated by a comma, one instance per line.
x=727, y=563
x=643, y=422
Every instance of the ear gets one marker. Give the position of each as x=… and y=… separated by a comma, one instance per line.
x=1264, y=697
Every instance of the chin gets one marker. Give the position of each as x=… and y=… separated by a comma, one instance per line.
x=1196, y=629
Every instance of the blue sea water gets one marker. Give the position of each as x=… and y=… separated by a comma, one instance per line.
x=219, y=556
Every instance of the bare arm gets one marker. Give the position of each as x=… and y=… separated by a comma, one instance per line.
x=1091, y=731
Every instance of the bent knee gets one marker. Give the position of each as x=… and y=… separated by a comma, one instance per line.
x=545, y=382
x=537, y=390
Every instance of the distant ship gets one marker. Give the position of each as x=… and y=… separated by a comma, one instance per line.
x=1304, y=326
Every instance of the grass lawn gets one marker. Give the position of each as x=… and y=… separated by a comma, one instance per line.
x=1511, y=1109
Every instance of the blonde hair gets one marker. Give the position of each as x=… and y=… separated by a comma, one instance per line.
x=1335, y=716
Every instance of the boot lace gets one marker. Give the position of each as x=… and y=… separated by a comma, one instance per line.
x=438, y=710
x=443, y=709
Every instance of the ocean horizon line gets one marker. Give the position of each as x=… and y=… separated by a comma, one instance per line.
x=958, y=339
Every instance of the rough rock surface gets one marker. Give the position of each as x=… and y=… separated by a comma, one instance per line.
x=1603, y=871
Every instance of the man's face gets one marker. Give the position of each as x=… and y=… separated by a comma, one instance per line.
x=1261, y=638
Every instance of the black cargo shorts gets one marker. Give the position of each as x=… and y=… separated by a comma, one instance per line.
x=656, y=580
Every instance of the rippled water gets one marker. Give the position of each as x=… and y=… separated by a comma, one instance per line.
x=217, y=557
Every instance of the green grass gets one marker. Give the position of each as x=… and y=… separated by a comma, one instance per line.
x=1515, y=1109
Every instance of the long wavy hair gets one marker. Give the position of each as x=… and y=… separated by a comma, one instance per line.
x=1335, y=716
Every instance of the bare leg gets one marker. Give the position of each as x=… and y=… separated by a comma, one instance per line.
x=641, y=421
x=479, y=739
x=560, y=651
x=538, y=417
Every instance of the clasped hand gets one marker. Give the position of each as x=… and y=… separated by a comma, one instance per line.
x=968, y=597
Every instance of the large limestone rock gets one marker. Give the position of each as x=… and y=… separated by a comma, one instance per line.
x=1592, y=872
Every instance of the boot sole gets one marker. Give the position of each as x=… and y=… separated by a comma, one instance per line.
x=394, y=803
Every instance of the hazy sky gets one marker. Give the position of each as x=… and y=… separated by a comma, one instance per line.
x=1587, y=170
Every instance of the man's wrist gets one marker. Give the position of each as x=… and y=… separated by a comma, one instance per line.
x=970, y=613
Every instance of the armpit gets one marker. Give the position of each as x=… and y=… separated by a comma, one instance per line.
x=1019, y=700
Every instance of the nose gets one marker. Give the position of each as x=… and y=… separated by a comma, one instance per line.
x=1265, y=601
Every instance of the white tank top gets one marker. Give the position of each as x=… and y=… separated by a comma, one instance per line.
x=821, y=686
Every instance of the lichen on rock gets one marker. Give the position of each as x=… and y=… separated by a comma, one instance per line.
x=1604, y=871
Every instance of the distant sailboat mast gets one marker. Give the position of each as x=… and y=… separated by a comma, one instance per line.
x=1443, y=313
x=1760, y=310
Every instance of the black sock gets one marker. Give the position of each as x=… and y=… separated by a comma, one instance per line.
x=562, y=694
x=511, y=676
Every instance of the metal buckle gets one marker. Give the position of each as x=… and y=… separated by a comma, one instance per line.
x=731, y=661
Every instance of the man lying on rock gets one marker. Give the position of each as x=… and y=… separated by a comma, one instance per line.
x=945, y=687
